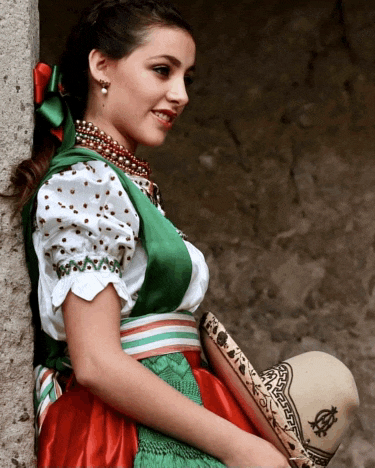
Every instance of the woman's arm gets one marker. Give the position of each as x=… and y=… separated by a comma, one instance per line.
x=93, y=335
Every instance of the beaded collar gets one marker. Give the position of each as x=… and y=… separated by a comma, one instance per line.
x=89, y=136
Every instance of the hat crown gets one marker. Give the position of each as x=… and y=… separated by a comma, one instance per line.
x=302, y=405
x=318, y=396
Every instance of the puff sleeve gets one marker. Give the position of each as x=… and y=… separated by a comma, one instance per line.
x=85, y=238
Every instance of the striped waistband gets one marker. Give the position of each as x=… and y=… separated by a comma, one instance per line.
x=141, y=337
x=155, y=334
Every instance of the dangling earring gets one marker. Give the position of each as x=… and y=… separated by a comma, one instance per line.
x=105, y=86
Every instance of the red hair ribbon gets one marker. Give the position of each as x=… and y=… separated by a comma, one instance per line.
x=46, y=90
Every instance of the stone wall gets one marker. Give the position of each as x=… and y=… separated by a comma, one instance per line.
x=19, y=49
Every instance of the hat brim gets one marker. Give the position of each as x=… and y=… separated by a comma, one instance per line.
x=236, y=371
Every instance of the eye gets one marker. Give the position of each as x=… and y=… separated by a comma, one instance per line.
x=162, y=70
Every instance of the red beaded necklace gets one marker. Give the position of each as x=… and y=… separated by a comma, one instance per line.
x=91, y=137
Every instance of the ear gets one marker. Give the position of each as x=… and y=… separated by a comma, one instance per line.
x=99, y=65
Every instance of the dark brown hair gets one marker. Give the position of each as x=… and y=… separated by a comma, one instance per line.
x=116, y=28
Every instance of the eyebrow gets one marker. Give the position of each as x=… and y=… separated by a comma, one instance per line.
x=173, y=60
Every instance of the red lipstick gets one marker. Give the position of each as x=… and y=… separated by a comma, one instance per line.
x=160, y=113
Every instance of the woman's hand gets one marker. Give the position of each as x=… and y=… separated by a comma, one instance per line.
x=250, y=451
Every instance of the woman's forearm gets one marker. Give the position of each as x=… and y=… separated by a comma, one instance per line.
x=124, y=383
x=134, y=390
x=118, y=379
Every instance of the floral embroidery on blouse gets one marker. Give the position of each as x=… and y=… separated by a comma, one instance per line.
x=89, y=264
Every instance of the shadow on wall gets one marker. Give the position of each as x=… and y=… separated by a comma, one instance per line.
x=271, y=172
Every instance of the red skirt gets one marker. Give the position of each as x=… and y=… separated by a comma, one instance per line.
x=80, y=430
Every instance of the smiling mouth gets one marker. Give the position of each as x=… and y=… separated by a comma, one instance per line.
x=165, y=119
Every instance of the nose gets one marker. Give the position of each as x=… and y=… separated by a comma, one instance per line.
x=177, y=92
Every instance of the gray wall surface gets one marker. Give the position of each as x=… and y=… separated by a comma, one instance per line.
x=19, y=30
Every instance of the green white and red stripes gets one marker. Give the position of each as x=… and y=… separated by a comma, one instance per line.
x=47, y=391
x=156, y=334
x=141, y=337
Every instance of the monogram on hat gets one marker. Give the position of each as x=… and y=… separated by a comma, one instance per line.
x=302, y=405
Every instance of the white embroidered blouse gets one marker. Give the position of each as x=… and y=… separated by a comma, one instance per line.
x=86, y=236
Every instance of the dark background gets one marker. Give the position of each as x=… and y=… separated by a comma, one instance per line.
x=271, y=173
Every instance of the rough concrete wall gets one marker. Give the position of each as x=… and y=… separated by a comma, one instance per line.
x=19, y=48
x=271, y=172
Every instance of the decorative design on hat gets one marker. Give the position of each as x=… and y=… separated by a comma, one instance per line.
x=269, y=407
x=324, y=420
x=278, y=380
x=287, y=403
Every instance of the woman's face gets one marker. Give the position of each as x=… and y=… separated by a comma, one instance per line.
x=147, y=89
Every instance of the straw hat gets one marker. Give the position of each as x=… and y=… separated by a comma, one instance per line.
x=302, y=405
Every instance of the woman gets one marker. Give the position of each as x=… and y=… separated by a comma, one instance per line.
x=108, y=261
